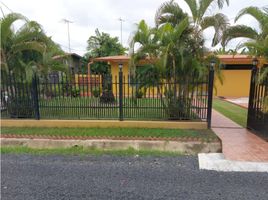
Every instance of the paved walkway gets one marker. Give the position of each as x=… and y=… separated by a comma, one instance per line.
x=242, y=101
x=238, y=143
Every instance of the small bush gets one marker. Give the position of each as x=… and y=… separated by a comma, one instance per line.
x=178, y=109
x=75, y=92
x=21, y=107
x=139, y=94
x=96, y=92
x=169, y=93
x=107, y=97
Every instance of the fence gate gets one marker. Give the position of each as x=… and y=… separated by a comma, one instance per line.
x=258, y=105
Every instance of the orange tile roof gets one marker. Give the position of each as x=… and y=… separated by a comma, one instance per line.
x=233, y=56
x=120, y=58
x=235, y=59
x=226, y=59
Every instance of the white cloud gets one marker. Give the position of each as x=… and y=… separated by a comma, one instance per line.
x=87, y=15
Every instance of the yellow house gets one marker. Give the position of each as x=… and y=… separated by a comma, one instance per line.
x=114, y=62
x=236, y=72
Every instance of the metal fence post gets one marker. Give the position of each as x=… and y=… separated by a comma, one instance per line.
x=210, y=95
x=35, y=97
x=251, y=93
x=120, y=94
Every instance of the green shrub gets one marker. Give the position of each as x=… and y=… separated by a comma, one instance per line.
x=21, y=107
x=139, y=94
x=96, y=92
x=107, y=97
x=178, y=109
x=169, y=93
x=75, y=92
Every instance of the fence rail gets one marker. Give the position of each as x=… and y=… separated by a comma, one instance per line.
x=258, y=104
x=105, y=97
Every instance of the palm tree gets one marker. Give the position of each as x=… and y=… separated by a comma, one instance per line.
x=258, y=41
x=170, y=56
x=27, y=50
x=145, y=39
x=236, y=31
x=28, y=38
x=185, y=49
x=171, y=12
x=176, y=47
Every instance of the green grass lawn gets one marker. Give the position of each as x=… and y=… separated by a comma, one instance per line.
x=92, y=108
x=129, y=132
x=86, y=151
x=233, y=112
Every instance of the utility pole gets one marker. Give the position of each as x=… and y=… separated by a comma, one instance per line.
x=121, y=24
x=66, y=21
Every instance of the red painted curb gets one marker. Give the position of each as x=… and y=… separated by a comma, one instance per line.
x=58, y=137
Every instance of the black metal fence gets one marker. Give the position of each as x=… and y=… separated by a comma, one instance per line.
x=258, y=104
x=105, y=97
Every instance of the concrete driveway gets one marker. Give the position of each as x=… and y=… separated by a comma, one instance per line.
x=241, y=101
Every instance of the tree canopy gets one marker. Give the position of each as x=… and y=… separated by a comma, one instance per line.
x=100, y=45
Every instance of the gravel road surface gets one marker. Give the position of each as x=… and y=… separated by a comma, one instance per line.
x=120, y=177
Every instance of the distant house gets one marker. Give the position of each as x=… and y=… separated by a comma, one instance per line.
x=114, y=61
x=72, y=60
x=236, y=71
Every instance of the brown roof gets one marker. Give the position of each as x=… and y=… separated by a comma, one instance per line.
x=66, y=55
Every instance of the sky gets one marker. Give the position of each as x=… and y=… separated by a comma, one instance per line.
x=87, y=15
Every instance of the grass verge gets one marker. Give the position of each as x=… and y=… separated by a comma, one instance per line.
x=233, y=112
x=85, y=151
x=109, y=132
